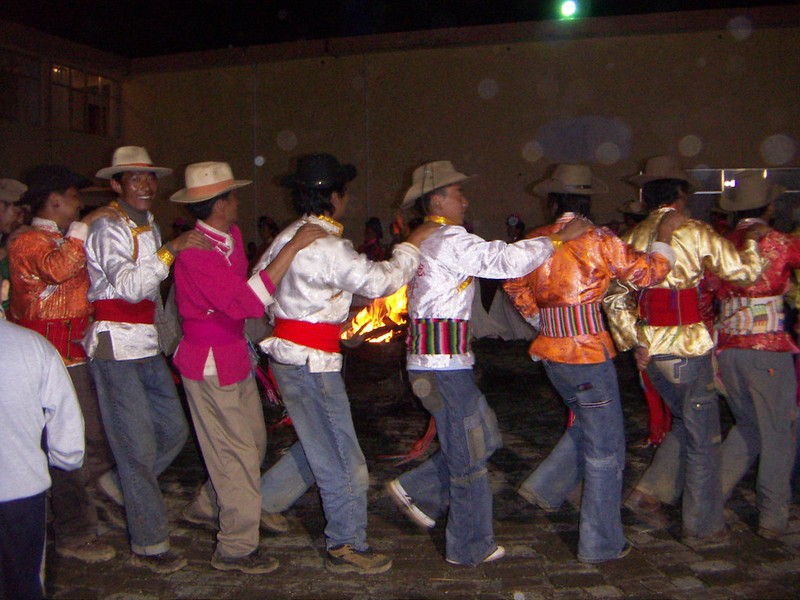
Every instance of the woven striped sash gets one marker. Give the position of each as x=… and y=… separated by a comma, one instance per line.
x=748, y=316
x=569, y=321
x=439, y=336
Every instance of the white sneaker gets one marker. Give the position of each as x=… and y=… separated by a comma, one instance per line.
x=407, y=506
x=498, y=553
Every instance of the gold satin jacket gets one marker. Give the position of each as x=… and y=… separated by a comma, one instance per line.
x=697, y=247
x=579, y=272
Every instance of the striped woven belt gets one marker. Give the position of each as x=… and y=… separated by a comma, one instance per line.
x=439, y=336
x=569, y=321
x=748, y=316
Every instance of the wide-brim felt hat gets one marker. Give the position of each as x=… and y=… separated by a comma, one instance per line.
x=571, y=179
x=11, y=190
x=205, y=180
x=131, y=158
x=44, y=179
x=432, y=176
x=319, y=171
x=749, y=192
x=663, y=167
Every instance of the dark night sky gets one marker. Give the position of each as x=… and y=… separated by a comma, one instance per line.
x=149, y=27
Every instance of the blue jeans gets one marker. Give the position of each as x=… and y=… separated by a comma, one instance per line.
x=286, y=481
x=146, y=429
x=456, y=475
x=320, y=411
x=592, y=450
x=687, y=386
x=761, y=390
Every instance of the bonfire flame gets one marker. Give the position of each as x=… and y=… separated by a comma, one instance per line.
x=379, y=322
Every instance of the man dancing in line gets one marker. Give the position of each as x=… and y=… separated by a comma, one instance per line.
x=664, y=327
x=565, y=295
x=310, y=306
x=440, y=362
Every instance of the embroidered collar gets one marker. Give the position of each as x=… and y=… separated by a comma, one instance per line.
x=746, y=223
x=45, y=224
x=330, y=225
x=440, y=220
x=223, y=242
x=565, y=218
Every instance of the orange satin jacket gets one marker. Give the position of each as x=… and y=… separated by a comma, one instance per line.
x=579, y=272
x=49, y=279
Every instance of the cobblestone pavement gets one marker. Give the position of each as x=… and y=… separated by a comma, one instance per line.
x=541, y=548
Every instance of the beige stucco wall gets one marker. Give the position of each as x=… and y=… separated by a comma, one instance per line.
x=718, y=95
x=610, y=101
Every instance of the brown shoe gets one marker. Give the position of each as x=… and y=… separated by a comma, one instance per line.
x=195, y=518
x=707, y=542
x=254, y=563
x=274, y=522
x=93, y=551
x=162, y=564
x=346, y=559
x=639, y=502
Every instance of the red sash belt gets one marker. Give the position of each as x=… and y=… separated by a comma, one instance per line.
x=64, y=334
x=661, y=307
x=120, y=311
x=320, y=336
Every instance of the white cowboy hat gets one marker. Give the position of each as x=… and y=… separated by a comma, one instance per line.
x=663, y=167
x=131, y=158
x=11, y=190
x=205, y=180
x=571, y=179
x=748, y=192
x=432, y=176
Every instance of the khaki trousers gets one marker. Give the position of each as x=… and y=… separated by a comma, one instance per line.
x=229, y=423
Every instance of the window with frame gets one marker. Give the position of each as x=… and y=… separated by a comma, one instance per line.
x=20, y=79
x=84, y=102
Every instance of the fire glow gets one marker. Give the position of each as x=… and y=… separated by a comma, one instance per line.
x=379, y=322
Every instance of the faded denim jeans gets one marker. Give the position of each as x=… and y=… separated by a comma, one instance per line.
x=146, y=429
x=320, y=411
x=456, y=475
x=592, y=450
x=687, y=386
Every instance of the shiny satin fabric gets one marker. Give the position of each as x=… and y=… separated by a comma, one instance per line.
x=580, y=272
x=116, y=274
x=320, y=284
x=443, y=287
x=697, y=248
x=48, y=275
x=782, y=253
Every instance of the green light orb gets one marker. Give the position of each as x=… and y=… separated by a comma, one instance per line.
x=568, y=9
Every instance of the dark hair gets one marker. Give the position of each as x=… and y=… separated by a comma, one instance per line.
x=202, y=210
x=265, y=221
x=37, y=201
x=663, y=192
x=423, y=203
x=374, y=224
x=579, y=204
x=316, y=201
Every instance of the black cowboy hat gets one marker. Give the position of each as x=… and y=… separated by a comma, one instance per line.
x=43, y=179
x=318, y=171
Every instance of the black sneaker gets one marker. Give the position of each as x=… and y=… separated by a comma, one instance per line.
x=346, y=559
x=707, y=542
x=163, y=564
x=254, y=563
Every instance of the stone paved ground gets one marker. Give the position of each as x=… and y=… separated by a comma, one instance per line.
x=541, y=548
